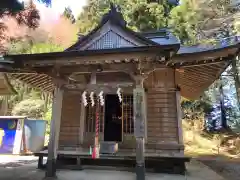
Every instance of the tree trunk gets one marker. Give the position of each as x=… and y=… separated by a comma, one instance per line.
x=46, y=100
x=236, y=79
x=222, y=107
x=5, y=105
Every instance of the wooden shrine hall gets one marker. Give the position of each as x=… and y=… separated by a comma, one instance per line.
x=120, y=90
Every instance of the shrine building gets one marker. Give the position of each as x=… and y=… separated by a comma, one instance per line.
x=125, y=85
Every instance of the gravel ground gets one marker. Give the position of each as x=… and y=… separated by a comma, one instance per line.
x=10, y=161
x=229, y=169
x=26, y=170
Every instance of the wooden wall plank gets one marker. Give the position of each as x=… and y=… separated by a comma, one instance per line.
x=70, y=121
x=162, y=117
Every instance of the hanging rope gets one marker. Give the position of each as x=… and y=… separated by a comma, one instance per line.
x=97, y=120
x=95, y=153
x=100, y=102
x=122, y=116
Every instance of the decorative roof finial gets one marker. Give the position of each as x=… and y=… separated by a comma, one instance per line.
x=114, y=15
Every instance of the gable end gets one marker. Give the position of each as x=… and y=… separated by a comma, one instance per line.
x=110, y=40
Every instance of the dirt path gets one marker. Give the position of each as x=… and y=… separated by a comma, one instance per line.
x=229, y=169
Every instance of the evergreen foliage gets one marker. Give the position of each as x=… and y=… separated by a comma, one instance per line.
x=192, y=21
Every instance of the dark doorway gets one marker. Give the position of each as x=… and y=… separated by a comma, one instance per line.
x=113, y=119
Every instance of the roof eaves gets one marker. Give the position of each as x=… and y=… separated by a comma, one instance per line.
x=18, y=59
x=237, y=45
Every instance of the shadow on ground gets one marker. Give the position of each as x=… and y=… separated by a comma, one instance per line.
x=196, y=171
x=226, y=166
x=17, y=163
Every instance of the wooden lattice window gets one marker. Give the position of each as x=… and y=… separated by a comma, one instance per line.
x=127, y=113
x=91, y=116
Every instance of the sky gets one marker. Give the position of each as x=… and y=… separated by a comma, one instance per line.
x=75, y=5
x=58, y=6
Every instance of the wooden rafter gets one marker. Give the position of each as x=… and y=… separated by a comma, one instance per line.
x=198, y=73
x=218, y=63
x=41, y=81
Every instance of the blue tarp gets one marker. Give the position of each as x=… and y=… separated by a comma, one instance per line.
x=7, y=135
x=34, y=134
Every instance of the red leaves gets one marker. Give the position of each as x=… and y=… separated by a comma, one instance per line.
x=29, y=16
x=13, y=25
x=63, y=32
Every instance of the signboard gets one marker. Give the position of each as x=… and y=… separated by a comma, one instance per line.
x=8, y=128
x=139, y=116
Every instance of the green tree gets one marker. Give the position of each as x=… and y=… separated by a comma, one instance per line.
x=68, y=14
x=27, y=15
x=32, y=108
x=44, y=48
x=141, y=15
x=48, y=117
x=147, y=16
x=184, y=22
x=14, y=6
x=25, y=91
x=23, y=47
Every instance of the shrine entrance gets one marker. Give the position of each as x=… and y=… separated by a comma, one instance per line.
x=113, y=118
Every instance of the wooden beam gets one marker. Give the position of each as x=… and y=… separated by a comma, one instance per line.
x=82, y=121
x=24, y=73
x=16, y=76
x=194, y=84
x=98, y=86
x=204, y=69
x=207, y=67
x=205, y=63
x=44, y=83
x=201, y=73
x=194, y=75
x=54, y=133
x=49, y=89
x=205, y=55
x=93, y=79
x=116, y=67
x=36, y=79
x=50, y=86
x=24, y=77
x=191, y=78
x=33, y=79
x=179, y=119
x=93, y=59
x=188, y=87
x=139, y=126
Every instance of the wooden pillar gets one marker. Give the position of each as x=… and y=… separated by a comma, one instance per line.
x=179, y=117
x=139, y=127
x=54, y=133
x=82, y=121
